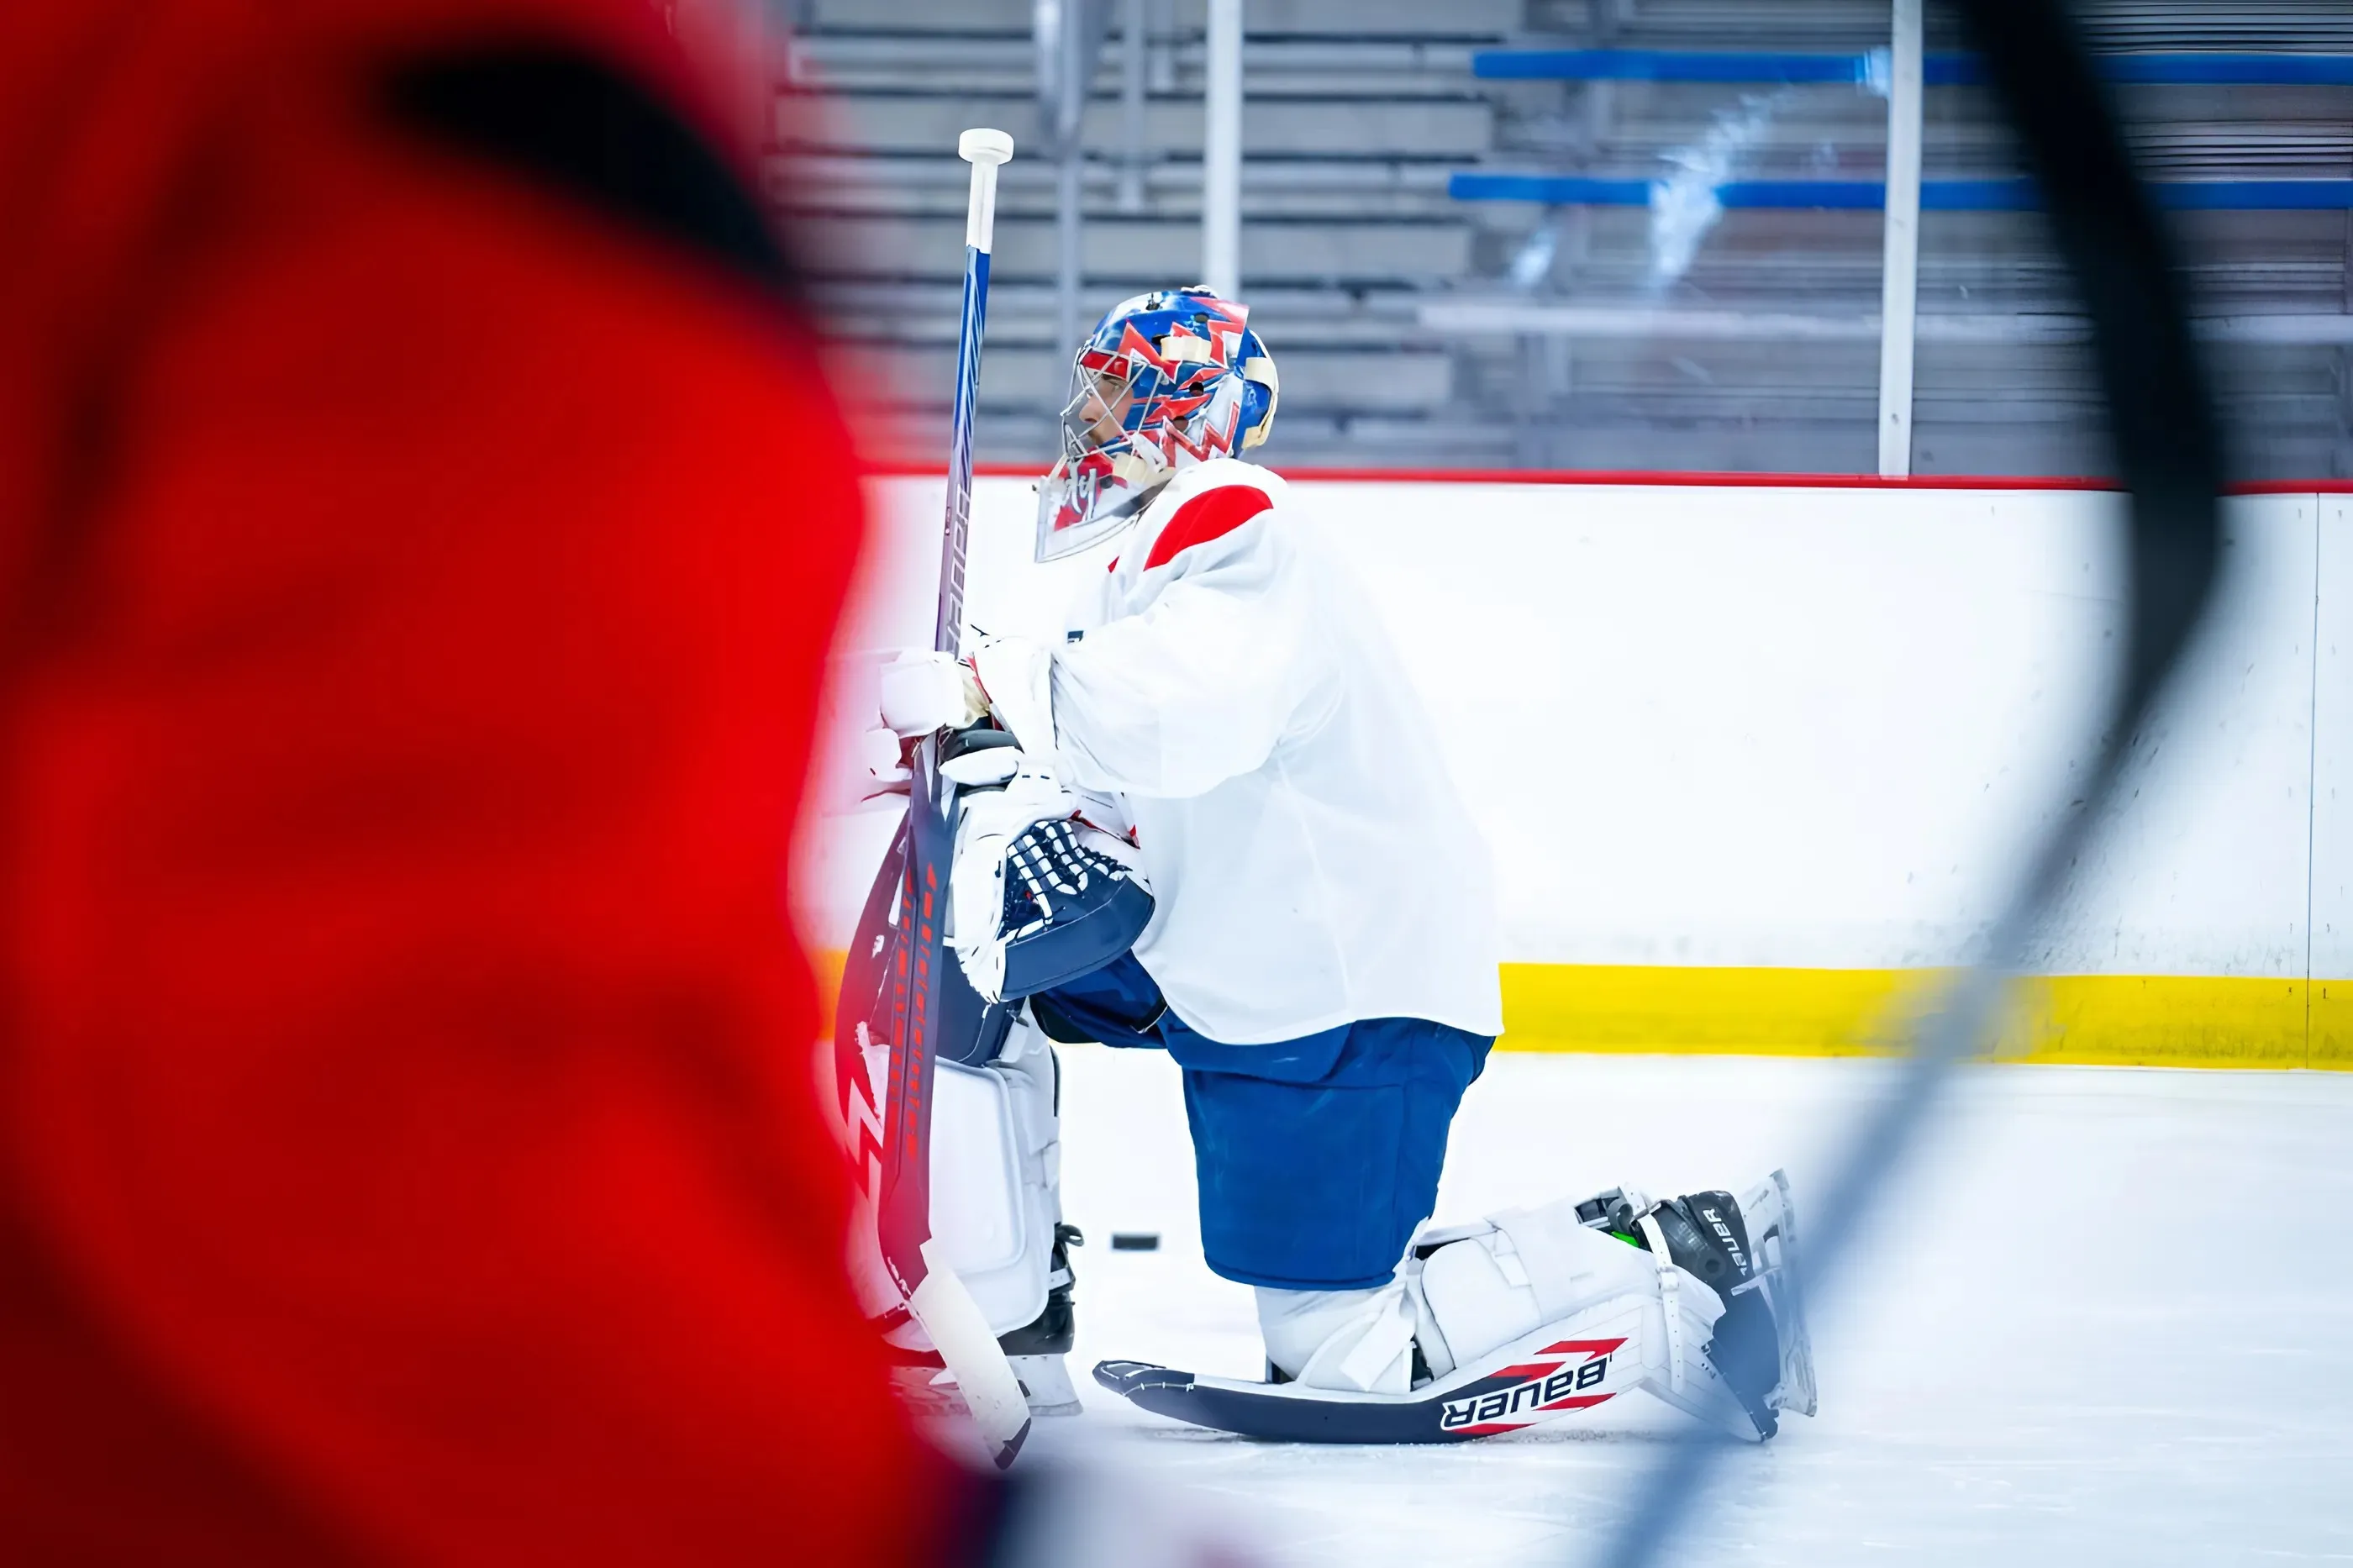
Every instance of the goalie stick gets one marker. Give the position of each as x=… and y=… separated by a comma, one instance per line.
x=904, y=975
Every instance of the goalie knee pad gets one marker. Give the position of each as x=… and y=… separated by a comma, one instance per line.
x=1362, y=1341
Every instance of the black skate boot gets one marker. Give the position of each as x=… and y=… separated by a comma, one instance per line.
x=1038, y=1347
x=1707, y=1237
x=1054, y=1329
x=1746, y=1252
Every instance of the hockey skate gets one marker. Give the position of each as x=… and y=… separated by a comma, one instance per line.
x=1745, y=1253
x=1535, y=1315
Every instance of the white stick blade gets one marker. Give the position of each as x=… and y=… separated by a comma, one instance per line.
x=972, y=1355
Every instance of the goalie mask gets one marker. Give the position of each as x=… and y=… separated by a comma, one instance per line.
x=1037, y=897
x=1165, y=381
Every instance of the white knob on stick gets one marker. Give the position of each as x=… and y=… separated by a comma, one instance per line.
x=984, y=149
x=982, y=146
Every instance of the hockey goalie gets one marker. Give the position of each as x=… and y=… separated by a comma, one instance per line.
x=1208, y=821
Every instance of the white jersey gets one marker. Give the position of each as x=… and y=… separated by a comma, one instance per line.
x=1233, y=690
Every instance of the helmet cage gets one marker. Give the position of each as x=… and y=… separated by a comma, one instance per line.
x=1165, y=382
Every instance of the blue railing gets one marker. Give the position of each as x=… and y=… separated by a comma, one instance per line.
x=1935, y=196
x=1939, y=70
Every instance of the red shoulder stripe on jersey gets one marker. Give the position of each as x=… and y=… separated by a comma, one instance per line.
x=1207, y=517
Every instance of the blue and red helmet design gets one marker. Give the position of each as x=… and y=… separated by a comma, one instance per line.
x=1165, y=381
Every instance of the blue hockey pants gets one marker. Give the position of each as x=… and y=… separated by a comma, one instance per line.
x=1317, y=1157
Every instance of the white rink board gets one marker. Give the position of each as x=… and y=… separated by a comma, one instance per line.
x=2092, y=1327
x=1729, y=726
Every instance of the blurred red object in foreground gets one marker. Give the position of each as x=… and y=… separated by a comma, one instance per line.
x=421, y=529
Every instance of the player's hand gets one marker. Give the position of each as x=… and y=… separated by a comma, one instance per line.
x=1015, y=676
x=923, y=691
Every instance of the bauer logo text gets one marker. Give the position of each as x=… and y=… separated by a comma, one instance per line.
x=1527, y=1397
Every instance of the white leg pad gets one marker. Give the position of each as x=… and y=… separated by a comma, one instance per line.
x=1539, y=1267
x=1483, y=1290
x=1491, y=1284
x=1530, y=1267
x=996, y=1180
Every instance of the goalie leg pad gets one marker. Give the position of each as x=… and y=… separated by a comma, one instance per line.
x=1470, y=1295
x=1524, y=1268
x=1525, y=1317
x=1573, y=1364
x=1540, y=1267
x=997, y=1182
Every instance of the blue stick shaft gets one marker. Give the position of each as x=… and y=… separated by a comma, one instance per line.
x=906, y=1209
x=947, y=632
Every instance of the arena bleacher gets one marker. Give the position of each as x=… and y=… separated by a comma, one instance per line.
x=1473, y=183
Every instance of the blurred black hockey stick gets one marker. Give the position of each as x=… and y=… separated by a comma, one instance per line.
x=2168, y=452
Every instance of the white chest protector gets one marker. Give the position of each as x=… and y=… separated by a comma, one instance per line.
x=1232, y=690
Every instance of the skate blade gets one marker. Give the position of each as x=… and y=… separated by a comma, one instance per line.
x=1795, y=1391
x=1046, y=1385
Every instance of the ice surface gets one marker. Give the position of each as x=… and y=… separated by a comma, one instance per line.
x=2109, y=1321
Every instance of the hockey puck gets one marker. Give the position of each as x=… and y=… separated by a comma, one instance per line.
x=1135, y=1241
